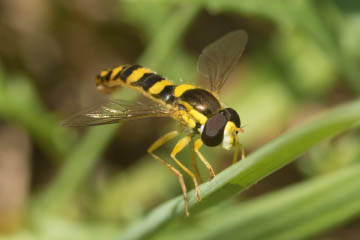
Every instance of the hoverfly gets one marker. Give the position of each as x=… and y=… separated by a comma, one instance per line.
x=198, y=110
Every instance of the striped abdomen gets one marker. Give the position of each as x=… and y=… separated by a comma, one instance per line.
x=137, y=77
x=199, y=104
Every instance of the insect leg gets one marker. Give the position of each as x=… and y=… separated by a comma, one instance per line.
x=242, y=149
x=197, y=146
x=194, y=162
x=178, y=148
x=158, y=143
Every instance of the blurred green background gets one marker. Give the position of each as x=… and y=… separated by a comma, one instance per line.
x=302, y=58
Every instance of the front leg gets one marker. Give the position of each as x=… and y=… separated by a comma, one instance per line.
x=242, y=149
x=197, y=146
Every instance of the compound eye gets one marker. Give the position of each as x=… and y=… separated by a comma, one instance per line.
x=213, y=132
x=231, y=115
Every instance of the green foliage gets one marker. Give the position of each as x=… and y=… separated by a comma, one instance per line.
x=297, y=212
x=20, y=105
x=258, y=165
x=312, y=47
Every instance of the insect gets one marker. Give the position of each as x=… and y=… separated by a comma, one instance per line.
x=199, y=111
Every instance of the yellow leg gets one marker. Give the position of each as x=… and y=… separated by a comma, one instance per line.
x=158, y=143
x=238, y=145
x=197, y=146
x=178, y=148
x=194, y=162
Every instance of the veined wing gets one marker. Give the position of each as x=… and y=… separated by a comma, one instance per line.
x=218, y=59
x=114, y=111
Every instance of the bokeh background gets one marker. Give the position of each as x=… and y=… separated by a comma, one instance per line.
x=302, y=58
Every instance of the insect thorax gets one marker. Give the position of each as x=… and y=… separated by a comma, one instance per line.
x=202, y=101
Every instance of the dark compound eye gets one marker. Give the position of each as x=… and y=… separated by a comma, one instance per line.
x=231, y=115
x=213, y=132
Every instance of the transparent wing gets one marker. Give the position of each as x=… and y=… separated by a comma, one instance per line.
x=218, y=59
x=115, y=111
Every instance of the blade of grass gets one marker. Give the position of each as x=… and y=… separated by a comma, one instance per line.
x=297, y=212
x=256, y=166
x=87, y=152
x=20, y=105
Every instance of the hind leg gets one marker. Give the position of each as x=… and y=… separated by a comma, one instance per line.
x=181, y=144
x=158, y=143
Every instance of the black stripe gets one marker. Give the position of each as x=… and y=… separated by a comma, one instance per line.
x=182, y=107
x=107, y=76
x=148, y=80
x=98, y=80
x=142, y=79
x=117, y=75
x=197, y=127
x=125, y=73
x=151, y=81
x=167, y=94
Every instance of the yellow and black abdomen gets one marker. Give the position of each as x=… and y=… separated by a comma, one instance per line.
x=135, y=76
x=198, y=104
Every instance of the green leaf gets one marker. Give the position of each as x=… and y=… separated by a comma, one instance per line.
x=255, y=167
x=297, y=212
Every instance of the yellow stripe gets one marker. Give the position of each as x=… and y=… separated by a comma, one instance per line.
x=103, y=73
x=137, y=74
x=198, y=116
x=194, y=113
x=159, y=86
x=179, y=90
x=186, y=105
x=115, y=71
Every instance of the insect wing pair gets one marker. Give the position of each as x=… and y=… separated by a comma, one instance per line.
x=216, y=63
